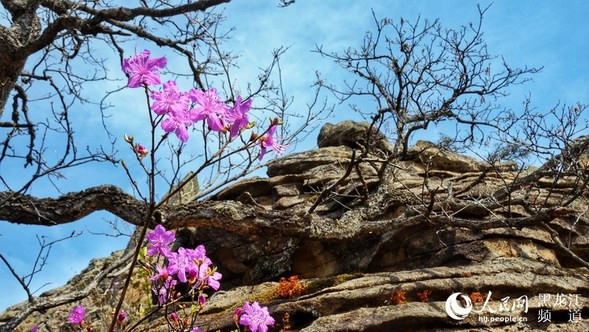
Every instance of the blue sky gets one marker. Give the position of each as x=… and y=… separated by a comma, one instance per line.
x=533, y=33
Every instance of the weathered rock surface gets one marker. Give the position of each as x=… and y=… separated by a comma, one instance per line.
x=440, y=222
x=352, y=134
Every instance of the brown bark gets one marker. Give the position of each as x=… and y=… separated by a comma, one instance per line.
x=13, y=41
x=25, y=209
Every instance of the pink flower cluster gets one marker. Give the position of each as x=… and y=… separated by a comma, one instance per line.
x=190, y=266
x=254, y=317
x=77, y=315
x=183, y=109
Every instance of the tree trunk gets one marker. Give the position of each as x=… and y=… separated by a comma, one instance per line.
x=14, y=41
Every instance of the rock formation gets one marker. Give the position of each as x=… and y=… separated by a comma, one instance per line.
x=383, y=251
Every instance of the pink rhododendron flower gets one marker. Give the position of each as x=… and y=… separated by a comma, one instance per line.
x=162, y=295
x=34, y=328
x=196, y=329
x=211, y=108
x=268, y=141
x=205, y=276
x=162, y=273
x=77, y=315
x=213, y=279
x=200, y=254
x=255, y=318
x=142, y=70
x=181, y=264
x=163, y=292
x=237, y=116
x=170, y=99
x=177, y=122
x=159, y=241
x=193, y=265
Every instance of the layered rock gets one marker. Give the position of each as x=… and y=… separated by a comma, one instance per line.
x=436, y=221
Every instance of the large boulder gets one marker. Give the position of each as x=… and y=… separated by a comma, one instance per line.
x=352, y=134
x=385, y=253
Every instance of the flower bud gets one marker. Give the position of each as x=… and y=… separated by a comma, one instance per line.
x=236, y=315
x=141, y=150
x=121, y=317
x=202, y=300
